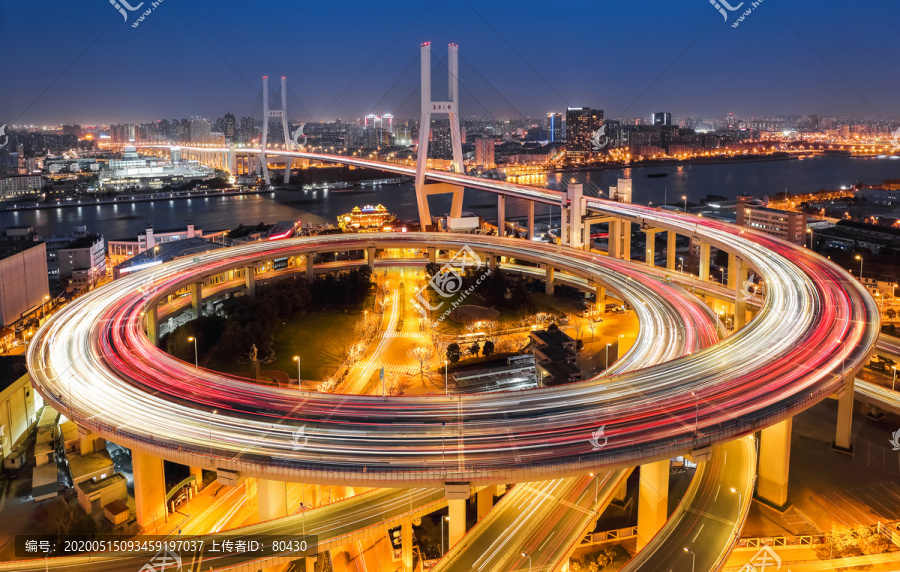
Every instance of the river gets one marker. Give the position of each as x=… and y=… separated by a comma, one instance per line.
x=120, y=221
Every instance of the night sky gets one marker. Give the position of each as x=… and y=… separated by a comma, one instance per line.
x=79, y=62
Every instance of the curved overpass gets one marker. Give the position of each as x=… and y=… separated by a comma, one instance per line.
x=94, y=362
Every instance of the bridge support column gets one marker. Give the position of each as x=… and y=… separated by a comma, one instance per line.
x=89, y=442
x=456, y=203
x=586, y=235
x=653, y=500
x=600, y=296
x=149, y=489
x=457, y=524
x=501, y=215
x=650, y=254
x=492, y=261
x=406, y=548
x=432, y=254
x=614, y=239
x=733, y=270
x=571, y=215
x=548, y=287
x=670, y=249
x=272, y=499
x=774, y=462
x=530, y=235
x=370, y=257
x=250, y=277
x=197, y=299
x=310, y=267
x=842, y=435
x=704, y=262
x=153, y=325
x=737, y=275
x=485, y=501
x=197, y=473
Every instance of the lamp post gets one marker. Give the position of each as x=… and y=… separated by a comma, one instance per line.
x=43, y=303
x=693, y=557
x=810, y=232
x=524, y=555
x=607, y=357
x=684, y=198
x=297, y=359
x=443, y=518
x=446, y=383
x=740, y=496
x=196, y=357
x=596, y=488
x=860, y=258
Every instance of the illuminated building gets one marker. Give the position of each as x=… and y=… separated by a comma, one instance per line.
x=786, y=225
x=366, y=218
x=581, y=123
x=554, y=127
x=484, y=152
x=662, y=118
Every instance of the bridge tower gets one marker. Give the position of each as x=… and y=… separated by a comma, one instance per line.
x=267, y=115
x=429, y=108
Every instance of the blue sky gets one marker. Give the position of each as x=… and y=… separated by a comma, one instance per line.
x=80, y=62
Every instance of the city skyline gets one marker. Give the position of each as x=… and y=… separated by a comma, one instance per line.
x=783, y=60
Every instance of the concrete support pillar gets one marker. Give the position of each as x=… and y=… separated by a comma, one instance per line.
x=197, y=472
x=626, y=240
x=492, y=260
x=737, y=275
x=457, y=524
x=310, y=267
x=530, y=220
x=456, y=204
x=370, y=257
x=432, y=254
x=774, y=461
x=153, y=325
x=670, y=249
x=653, y=500
x=614, y=241
x=272, y=499
x=89, y=442
x=501, y=215
x=197, y=299
x=650, y=254
x=586, y=235
x=549, y=280
x=149, y=489
x=250, y=278
x=842, y=435
x=406, y=549
x=601, y=299
x=704, y=261
x=485, y=501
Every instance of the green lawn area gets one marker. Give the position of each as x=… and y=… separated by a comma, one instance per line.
x=319, y=339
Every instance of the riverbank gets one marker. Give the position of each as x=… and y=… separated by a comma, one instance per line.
x=676, y=162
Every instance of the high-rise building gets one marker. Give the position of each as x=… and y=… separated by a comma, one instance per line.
x=230, y=127
x=484, y=152
x=581, y=123
x=554, y=127
x=662, y=118
x=200, y=129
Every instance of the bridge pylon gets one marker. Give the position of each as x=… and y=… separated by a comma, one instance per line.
x=267, y=115
x=429, y=108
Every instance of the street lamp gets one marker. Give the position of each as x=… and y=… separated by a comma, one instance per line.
x=693, y=557
x=810, y=233
x=858, y=257
x=740, y=496
x=684, y=198
x=297, y=359
x=43, y=311
x=196, y=358
x=446, y=384
x=596, y=488
x=443, y=518
x=529, y=560
x=607, y=357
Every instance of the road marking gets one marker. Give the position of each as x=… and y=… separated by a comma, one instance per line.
x=698, y=532
x=718, y=488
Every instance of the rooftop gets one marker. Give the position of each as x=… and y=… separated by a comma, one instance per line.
x=12, y=368
x=552, y=337
x=90, y=486
x=168, y=251
x=12, y=247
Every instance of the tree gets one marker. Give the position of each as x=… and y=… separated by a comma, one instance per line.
x=891, y=314
x=60, y=515
x=474, y=349
x=592, y=324
x=453, y=352
x=578, y=326
x=488, y=348
x=432, y=268
x=421, y=354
